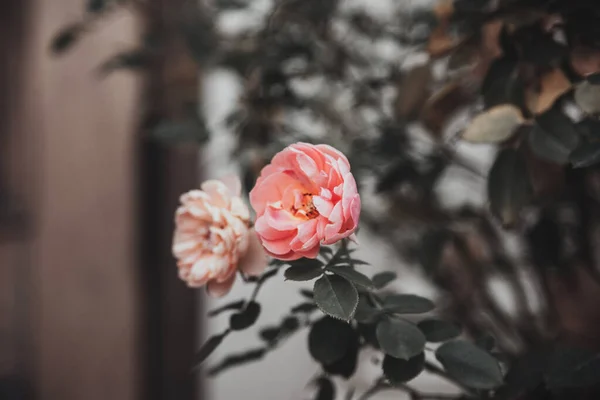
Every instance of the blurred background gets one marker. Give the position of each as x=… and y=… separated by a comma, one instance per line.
x=90, y=303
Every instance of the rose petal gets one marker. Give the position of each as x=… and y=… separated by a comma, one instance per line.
x=255, y=260
x=220, y=289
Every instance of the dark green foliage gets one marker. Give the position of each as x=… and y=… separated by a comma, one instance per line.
x=399, y=371
x=407, y=304
x=325, y=389
x=382, y=279
x=336, y=296
x=234, y=306
x=208, y=348
x=509, y=186
x=470, y=365
x=245, y=318
x=66, y=38
x=352, y=275
x=436, y=330
x=329, y=339
x=400, y=338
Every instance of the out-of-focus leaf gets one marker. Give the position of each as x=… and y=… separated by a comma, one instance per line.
x=197, y=26
x=441, y=42
x=132, y=59
x=436, y=330
x=245, y=318
x=399, y=371
x=486, y=342
x=573, y=367
x=328, y=340
x=208, y=348
x=304, y=308
x=95, y=6
x=554, y=136
x=407, y=304
x=431, y=247
x=381, y=279
x=494, y=125
x=346, y=366
x=509, y=186
x=336, y=296
x=553, y=84
x=237, y=360
x=469, y=365
x=66, y=38
x=400, y=338
x=270, y=334
x=587, y=97
x=186, y=130
x=442, y=105
x=413, y=91
x=585, y=155
x=502, y=84
x=325, y=389
x=235, y=306
x=352, y=275
x=525, y=374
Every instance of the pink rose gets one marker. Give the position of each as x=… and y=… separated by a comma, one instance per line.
x=212, y=237
x=305, y=197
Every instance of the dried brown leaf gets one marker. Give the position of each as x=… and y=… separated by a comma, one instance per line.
x=552, y=85
x=585, y=61
x=413, y=91
x=494, y=125
x=442, y=105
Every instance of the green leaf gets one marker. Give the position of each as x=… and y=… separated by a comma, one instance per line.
x=198, y=30
x=270, y=334
x=502, y=84
x=237, y=360
x=304, y=273
x=236, y=305
x=326, y=389
x=304, y=308
x=66, y=38
x=352, y=275
x=585, y=155
x=365, y=312
x=131, y=59
x=554, y=136
x=336, y=296
x=407, y=304
x=486, y=342
x=245, y=318
x=381, y=279
x=525, y=373
x=95, y=6
x=469, y=365
x=400, y=338
x=328, y=340
x=572, y=368
x=399, y=371
x=185, y=130
x=509, y=186
x=436, y=330
x=208, y=348
x=431, y=246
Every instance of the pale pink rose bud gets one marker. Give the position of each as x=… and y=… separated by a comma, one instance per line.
x=305, y=197
x=212, y=237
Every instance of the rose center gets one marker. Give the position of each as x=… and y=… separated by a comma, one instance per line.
x=306, y=207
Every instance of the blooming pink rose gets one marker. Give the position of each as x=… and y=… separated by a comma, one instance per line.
x=212, y=237
x=305, y=197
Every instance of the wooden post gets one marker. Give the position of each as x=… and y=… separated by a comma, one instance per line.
x=91, y=279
